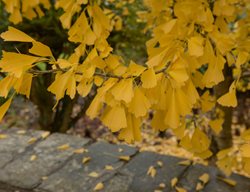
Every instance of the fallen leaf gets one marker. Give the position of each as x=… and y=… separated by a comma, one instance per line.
x=98, y=187
x=151, y=171
x=33, y=157
x=159, y=163
x=228, y=181
x=109, y=167
x=94, y=174
x=162, y=185
x=157, y=190
x=86, y=159
x=63, y=147
x=3, y=136
x=185, y=163
x=199, y=186
x=79, y=151
x=21, y=132
x=44, y=178
x=32, y=140
x=120, y=150
x=204, y=178
x=174, y=181
x=180, y=189
x=124, y=158
x=45, y=134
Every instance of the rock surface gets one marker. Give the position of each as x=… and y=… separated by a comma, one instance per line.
x=33, y=161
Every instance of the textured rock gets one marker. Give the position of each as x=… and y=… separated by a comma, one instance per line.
x=190, y=179
x=133, y=177
x=15, y=144
x=24, y=173
x=74, y=176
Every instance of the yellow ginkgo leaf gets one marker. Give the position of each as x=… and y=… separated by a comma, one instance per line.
x=5, y=107
x=178, y=71
x=174, y=181
x=151, y=171
x=93, y=174
x=132, y=132
x=16, y=63
x=228, y=181
x=124, y=158
x=180, y=189
x=86, y=159
x=32, y=140
x=33, y=157
x=98, y=187
x=63, y=82
x=109, y=167
x=172, y=117
x=139, y=105
x=216, y=125
x=80, y=150
x=148, y=78
x=242, y=58
x=199, y=186
x=245, y=150
x=14, y=34
x=114, y=118
x=204, y=178
x=123, y=90
x=134, y=70
x=229, y=99
x=45, y=134
x=23, y=85
x=40, y=49
x=185, y=163
x=200, y=141
x=162, y=185
x=63, y=147
x=3, y=136
x=195, y=46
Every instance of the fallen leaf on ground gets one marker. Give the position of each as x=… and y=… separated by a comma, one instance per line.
x=33, y=157
x=199, y=186
x=204, y=178
x=124, y=158
x=3, y=136
x=162, y=185
x=94, y=174
x=174, y=181
x=180, y=189
x=151, y=171
x=21, y=132
x=186, y=162
x=79, y=151
x=228, y=181
x=86, y=159
x=32, y=140
x=109, y=167
x=98, y=187
x=45, y=134
x=63, y=147
x=159, y=163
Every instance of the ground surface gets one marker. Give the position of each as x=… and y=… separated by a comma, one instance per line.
x=33, y=161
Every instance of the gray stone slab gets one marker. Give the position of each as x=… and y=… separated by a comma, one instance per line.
x=74, y=176
x=133, y=177
x=190, y=179
x=24, y=173
x=15, y=144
